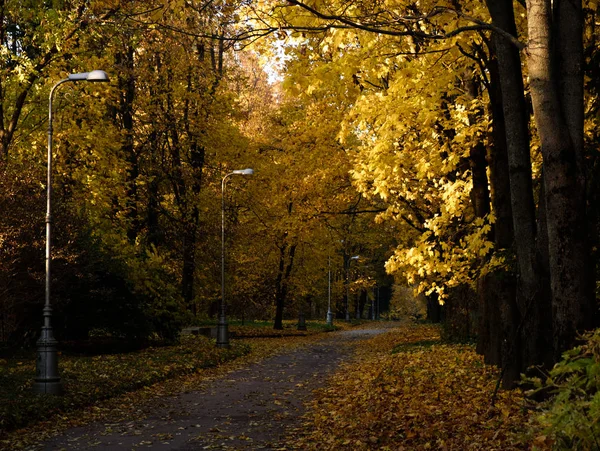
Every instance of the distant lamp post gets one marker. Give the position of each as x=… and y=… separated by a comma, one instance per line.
x=47, y=379
x=329, y=312
x=356, y=257
x=222, y=327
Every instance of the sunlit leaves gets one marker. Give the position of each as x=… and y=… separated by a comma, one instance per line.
x=410, y=120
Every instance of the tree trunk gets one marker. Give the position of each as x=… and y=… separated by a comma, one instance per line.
x=434, y=309
x=519, y=352
x=281, y=283
x=127, y=90
x=497, y=290
x=557, y=95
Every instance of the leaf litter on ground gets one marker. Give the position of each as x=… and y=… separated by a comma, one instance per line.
x=120, y=387
x=406, y=390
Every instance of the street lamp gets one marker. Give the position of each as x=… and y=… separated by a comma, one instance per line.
x=222, y=328
x=329, y=313
x=47, y=379
x=356, y=257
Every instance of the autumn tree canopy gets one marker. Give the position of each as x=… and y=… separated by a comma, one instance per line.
x=450, y=144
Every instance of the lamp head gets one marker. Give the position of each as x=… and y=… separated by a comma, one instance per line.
x=98, y=76
x=247, y=171
x=356, y=257
x=94, y=76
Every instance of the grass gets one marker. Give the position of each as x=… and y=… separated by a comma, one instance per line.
x=264, y=329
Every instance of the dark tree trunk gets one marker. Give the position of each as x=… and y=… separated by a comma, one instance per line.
x=497, y=290
x=523, y=334
x=434, y=309
x=281, y=283
x=557, y=95
x=127, y=88
x=459, y=313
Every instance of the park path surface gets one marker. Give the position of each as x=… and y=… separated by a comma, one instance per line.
x=253, y=408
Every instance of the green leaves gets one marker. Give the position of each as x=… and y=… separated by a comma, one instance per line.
x=569, y=418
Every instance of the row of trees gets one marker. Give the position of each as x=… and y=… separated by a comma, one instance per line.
x=476, y=124
x=467, y=130
x=138, y=170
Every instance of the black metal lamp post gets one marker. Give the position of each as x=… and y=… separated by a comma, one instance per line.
x=47, y=379
x=222, y=326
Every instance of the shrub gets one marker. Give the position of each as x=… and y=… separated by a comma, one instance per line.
x=570, y=419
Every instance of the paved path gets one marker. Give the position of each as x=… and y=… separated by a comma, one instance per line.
x=249, y=409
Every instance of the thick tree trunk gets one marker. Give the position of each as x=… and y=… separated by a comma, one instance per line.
x=524, y=338
x=434, y=309
x=497, y=290
x=556, y=90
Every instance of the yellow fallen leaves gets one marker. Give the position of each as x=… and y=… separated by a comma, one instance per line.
x=424, y=395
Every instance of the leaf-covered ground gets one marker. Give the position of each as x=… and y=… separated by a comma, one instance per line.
x=409, y=391
x=404, y=390
x=113, y=387
x=88, y=379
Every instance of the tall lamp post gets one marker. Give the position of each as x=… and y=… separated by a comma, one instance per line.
x=329, y=312
x=356, y=257
x=222, y=327
x=47, y=379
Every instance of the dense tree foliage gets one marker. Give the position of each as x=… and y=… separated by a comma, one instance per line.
x=419, y=136
x=138, y=176
x=479, y=158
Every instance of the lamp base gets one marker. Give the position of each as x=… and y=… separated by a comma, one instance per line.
x=222, y=333
x=329, y=318
x=47, y=380
x=48, y=387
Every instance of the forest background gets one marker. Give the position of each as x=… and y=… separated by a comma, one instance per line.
x=453, y=146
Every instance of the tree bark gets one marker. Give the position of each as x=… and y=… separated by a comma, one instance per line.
x=523, y=340
x=497, y=290
x=555, y=68
x=127, y=91
x=281, y=283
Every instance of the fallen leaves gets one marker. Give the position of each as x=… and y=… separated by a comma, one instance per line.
x=90, y=379
x=115, y=407
x=407, y=390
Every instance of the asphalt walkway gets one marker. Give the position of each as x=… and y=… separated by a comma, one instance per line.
x=253, y=408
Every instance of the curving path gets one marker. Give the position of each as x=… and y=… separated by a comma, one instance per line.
x=252, y=408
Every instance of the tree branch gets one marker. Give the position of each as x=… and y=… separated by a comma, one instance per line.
x=379, y=27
